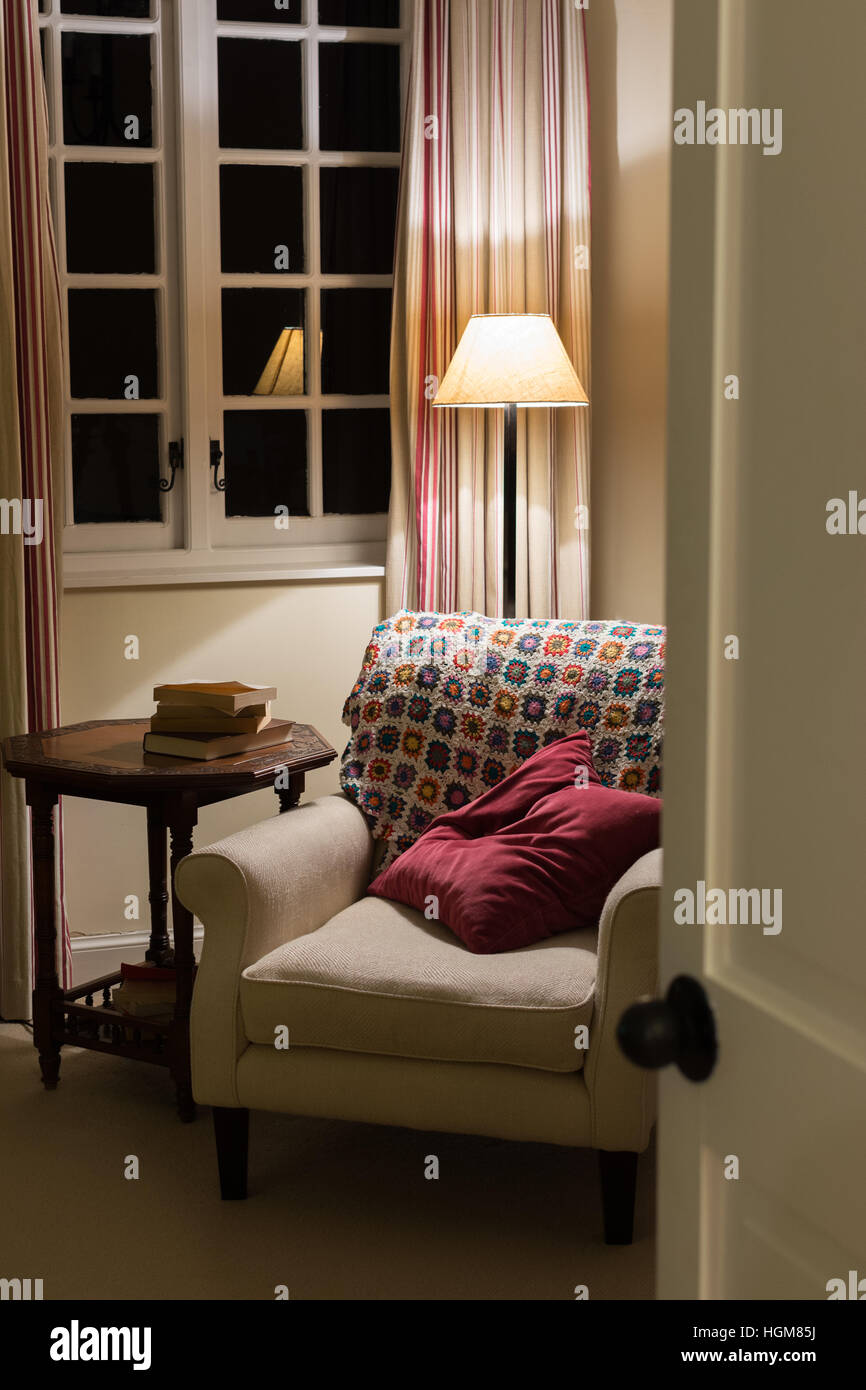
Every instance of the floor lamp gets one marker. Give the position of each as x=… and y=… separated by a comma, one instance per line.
x=504, y=361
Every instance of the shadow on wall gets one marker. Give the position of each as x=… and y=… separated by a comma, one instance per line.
x=630, y=55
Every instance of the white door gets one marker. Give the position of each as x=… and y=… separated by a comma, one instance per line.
x=765, y=758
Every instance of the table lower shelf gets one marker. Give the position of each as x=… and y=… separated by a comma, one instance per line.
x=103, y=1028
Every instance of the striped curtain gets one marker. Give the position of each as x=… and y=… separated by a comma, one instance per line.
x=494, y=218
x=31, y=425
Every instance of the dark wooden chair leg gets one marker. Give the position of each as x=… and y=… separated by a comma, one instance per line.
x=618, y=1173
x=232, y=1131
x=185, y=1102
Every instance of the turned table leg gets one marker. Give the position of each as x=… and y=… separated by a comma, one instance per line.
x=159, y=949
x=47, y=994
x=290, y=795
x=182, y=816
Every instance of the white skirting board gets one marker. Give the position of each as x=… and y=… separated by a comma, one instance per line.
x=93, y=956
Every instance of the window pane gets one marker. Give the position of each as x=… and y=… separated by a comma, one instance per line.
x=107, y=96
x=266, y=462
x=52, y=186
x=261, y=218
x=358, y=219
x=263, y=343
x=112, y=344
x=46, y=79
x=111, y=9
x=360, y=96
x=261, y=11
x=115, y=468
x=356, y=335
x=356, y=461
x=363, y=14
x=109, y=219
x=260, y=95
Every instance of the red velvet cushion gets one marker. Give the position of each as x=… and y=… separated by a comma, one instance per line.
x=534, y=856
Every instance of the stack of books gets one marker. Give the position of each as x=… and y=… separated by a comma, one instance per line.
x=146, y=991
x=214, y=719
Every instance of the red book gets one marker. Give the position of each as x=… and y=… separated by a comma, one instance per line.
x=144, y=971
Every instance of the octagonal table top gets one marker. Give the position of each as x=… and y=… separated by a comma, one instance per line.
x=111, y=751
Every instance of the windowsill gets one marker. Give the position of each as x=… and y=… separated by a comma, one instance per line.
x=173, y=569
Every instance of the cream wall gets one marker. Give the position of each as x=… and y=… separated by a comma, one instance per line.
x=307, y=639
x=630, y=63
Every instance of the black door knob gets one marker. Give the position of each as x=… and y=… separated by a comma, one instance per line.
x=679, y=1028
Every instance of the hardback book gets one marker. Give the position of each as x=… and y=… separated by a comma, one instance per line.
x=198, y=719
x=205, y=747
x=145, y=998
x=229, y=696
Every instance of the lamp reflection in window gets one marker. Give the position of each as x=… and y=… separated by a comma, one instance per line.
x=284, y=373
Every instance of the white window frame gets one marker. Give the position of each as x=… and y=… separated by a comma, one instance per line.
x=127, y=538
x=205, y=545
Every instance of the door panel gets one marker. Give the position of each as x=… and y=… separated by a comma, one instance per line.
x=762, y=1245
x=765, y=757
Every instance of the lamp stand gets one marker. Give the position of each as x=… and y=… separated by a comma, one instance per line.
x=509, y=539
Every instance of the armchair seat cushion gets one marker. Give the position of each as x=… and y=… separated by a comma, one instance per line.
x=379, y=978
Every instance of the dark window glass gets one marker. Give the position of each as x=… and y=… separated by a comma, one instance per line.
x=261, y=218
x=43, y=6
x=261, y=11
x=115, y=468
x=107, y=96
x=356, y=337
x=263, y=342
x=362, y=14
x=111, y=9
x=46, y=53
x=266, y=462
x=356, y=461
x=109, y=219
x=359, y=87
x=260, y=106
x=52, y=186
x=112, y=338
x=358, y=220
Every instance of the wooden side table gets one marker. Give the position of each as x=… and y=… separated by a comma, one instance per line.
x=105, y=761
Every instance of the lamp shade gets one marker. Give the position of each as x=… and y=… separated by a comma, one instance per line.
x=511, y=359
x=284, y=373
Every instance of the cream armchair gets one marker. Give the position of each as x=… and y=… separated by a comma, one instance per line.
x=313, y=999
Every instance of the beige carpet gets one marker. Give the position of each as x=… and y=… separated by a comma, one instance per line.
x=336, y=1211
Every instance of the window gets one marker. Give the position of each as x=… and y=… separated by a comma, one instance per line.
x=109, y=73
x=225, y=179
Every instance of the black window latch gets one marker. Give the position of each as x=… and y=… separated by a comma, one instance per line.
x=216, y=457
x=175, y=461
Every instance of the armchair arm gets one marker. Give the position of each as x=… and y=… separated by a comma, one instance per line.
x=623, y=1096
x=270, y=883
